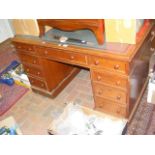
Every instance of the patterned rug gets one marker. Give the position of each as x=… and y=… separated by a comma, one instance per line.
x=7, y=54
x=10, y=94
x=143, y=122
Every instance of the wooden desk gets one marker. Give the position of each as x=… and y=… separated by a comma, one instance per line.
x=118, y=72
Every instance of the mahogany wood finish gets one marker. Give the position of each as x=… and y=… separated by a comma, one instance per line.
x=33, y=60
x=108, y=64
x=64, y=55
x=117, y=77
x=38, y=83
x=113, y=108
x=95, y=25
x=108, y=78
x=58, y=88
x=44, y=75
x=109, y=92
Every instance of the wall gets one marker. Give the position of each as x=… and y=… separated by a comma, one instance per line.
x=25, y=27
x=5, y=30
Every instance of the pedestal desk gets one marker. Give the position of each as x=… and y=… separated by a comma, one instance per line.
x=118, y=71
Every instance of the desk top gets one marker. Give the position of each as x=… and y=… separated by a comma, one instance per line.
x=85, y=35
x=120, y=51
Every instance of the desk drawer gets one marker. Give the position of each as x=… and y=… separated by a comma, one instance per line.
x=33, y=71
x=24, y=47
x=109, y=78
x=110, y=107
x=29, y=59
x=109, y=93
x=38, y=83
x=63, y=55
x=104, y=63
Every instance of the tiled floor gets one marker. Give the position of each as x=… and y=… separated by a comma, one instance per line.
x=34, y=112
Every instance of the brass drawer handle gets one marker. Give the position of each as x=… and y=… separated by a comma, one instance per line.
x=118, y=97
x=152, y=49
x=98, y=78
x=118, y=83
x=116, y=67
x=100, y=106
x=72, y=57
x=42, y=84
x=96, y=62
x=34, y=61
x=46, y=52
x=118, y=111
x=100, y=92
x=38, y=73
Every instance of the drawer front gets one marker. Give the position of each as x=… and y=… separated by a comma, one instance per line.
x=110, y=107
x=109, y=93
x=104, y=63
x=37, y=83
x=24, y=47
x=109, y=78
x=29, y=59
x=62, y=55
x=33, y=71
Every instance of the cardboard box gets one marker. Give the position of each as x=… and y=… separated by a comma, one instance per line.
x=124, y=31
x=74, y=118
x=25, y=27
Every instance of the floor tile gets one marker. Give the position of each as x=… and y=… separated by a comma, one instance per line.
x=35, y=112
